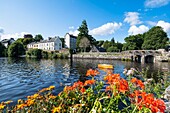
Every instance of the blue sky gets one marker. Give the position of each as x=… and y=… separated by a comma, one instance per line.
x=105, y=18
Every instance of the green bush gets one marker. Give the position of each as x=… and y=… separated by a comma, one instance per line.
x=37, y=53
x=16, y=49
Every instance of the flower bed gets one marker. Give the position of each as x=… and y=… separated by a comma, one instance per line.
x=113, y=94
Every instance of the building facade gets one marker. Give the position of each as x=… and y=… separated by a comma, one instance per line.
x=70, y=41
x=51, y=44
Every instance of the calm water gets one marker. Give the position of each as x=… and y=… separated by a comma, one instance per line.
x=22, y=77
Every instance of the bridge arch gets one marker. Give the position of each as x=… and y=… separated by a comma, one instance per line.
x=137, y=58
x=149, y=59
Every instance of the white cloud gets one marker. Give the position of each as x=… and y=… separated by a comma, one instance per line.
x=132, y=18
x=156, y=3
x=134, y=30
x=151, y=23
x=105, y=29
x=71, y=27
x=75, y=32
x=164, y=25
x=15, y=35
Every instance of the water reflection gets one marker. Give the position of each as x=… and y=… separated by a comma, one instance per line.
x=22, y=77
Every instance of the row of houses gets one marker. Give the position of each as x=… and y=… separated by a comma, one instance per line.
x=54, y=43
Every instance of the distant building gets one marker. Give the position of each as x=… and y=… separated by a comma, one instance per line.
x=97, y=49
x=51, y=44
x=70, y=41
x=7, y=42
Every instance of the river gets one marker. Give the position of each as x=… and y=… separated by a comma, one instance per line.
x=22, y=77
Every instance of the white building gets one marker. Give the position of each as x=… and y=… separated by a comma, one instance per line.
x=70, y=41
x=51, y=44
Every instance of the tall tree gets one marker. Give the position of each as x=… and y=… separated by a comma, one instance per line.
x=38, y=37
x=155, y=38
x=83, y=32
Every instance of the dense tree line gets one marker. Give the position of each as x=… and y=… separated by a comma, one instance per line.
x=153, y=39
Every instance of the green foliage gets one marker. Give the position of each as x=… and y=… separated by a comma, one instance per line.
x=38, y=37
x=16, y=49
x=99, y=43
x=83, y=32
x=133, y=42
x=25, y=41
x=155, y=38
x=37, y=53
x=112, y=49
x=3, y=50
x=107, y=44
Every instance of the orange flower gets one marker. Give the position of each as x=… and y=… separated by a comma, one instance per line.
x=138, y=83
x=89, y=82
x=68, y=88
x=142, y=99
x=82, y=90
x=78, y=85
x=92, y=72
x=123, y=86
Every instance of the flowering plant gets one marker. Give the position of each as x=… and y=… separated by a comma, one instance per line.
x=112, y=95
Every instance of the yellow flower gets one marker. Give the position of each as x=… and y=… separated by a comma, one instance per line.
x=8, y=102
x=51, y=87
x=30, y=102
x=19, y=101
x=2, y=106
x=52, y=97
x=21, y=106
x=56, y=109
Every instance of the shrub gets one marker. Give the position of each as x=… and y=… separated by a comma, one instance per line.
x=16, y=49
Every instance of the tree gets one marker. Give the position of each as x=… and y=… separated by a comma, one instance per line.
x=107, y=44
x=83, y=32
x=155, y=38
x=38, y=37
x=99, y=43
x=2, y=50
x=84, y=43
x=112, y=49
x=113, y=41
x=133, y=42
x=16, y=49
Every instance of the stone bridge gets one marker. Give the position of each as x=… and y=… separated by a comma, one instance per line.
x=143, y=56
